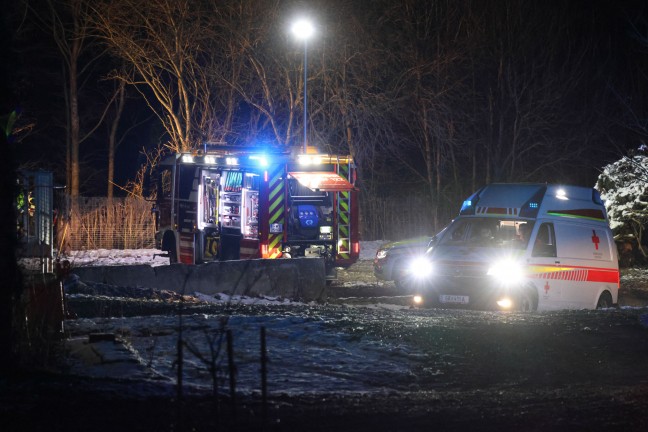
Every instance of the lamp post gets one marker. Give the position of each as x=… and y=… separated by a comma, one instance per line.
x=303, y=29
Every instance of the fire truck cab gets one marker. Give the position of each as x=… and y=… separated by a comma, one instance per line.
x=230, y=203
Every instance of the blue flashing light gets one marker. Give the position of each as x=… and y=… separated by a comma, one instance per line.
x=530, y=208
x=468, y=206
x=262, y=160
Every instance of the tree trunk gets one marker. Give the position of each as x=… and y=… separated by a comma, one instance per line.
x=74, y=118
x=112, y=141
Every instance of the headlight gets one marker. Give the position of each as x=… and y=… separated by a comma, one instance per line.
x=505, y=303
x=507, y=272
x=420, y=268
x=325, y=233
x=382, y=253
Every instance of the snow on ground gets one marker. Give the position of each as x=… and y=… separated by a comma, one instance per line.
x=310, y=351
x=311, y=348
x=153, y=257
x=112, y=257
x=147, y=347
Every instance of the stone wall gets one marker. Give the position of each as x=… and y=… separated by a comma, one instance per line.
x=297, y=279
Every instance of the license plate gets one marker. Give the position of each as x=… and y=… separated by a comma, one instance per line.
x=458, y=299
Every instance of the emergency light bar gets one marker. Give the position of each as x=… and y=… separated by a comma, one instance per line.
x=316, y=159
x=469, y=205
x=561, y=194
x=262, y=160
x=532, y=206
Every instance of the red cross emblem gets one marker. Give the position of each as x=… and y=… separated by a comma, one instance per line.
x=547, y=288
x=595, y=239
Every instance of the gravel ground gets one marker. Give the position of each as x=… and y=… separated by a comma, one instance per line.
x=480, y=371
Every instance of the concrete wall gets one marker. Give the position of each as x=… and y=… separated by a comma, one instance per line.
x=299, y=279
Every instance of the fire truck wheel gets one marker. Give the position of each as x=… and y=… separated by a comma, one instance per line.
x=169, y=245
x=604, y=301
x=173, y=256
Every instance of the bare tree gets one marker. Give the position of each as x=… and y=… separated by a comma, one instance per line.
x=208, y=71
x=68, y=23
x=163, y=41
x=431, y=42
x=530, y=72
x=263, y=70
x=112, y=139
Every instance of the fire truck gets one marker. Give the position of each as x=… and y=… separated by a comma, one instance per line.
x=228, y=203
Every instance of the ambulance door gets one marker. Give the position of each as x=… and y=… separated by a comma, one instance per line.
x=585, y=254
x=545, y=266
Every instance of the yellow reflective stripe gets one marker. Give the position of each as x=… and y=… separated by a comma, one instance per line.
x=547, y=269
x=276, y=214
x=274, y=242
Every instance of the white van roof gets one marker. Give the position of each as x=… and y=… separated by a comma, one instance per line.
x=535, y=200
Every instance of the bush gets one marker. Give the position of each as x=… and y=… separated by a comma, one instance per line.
x=624, y=188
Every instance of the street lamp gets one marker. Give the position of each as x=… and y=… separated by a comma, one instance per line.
x=303, y=29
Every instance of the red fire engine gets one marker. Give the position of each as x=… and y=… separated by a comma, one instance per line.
x=229, y=203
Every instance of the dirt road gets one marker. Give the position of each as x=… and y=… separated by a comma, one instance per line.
x=370, y=365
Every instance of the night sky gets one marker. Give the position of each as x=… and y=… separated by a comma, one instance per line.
x=606, y=39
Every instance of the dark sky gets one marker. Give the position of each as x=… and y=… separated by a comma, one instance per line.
x=32, y=69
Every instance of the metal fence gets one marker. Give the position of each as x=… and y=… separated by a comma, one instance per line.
x=396, y=217
x=100, y=223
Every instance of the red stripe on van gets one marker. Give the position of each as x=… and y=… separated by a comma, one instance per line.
x=603, y=275
x=579, y=274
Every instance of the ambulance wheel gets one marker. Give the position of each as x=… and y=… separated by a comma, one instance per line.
x=403, y=285
x=528, y=300
x=604, y=301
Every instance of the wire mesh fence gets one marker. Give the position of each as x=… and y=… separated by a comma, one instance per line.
x=396, y=217
x=99, y=223
x=127, y=223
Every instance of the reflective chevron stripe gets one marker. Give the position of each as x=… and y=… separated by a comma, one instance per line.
x=276, y=210
x=343, y=222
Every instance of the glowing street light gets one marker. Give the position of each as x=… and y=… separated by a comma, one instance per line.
x=303, y=29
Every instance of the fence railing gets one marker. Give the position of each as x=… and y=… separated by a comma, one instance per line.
x=100, y=223
x=127, y=223
x=396, y=217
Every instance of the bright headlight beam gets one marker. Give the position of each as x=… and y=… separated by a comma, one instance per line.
x=505, y=303
x=420, y=267
x=506, y=272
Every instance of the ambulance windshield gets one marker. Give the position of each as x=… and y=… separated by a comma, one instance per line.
x=488, y=232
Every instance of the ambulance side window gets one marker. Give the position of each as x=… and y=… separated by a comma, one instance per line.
x=545, y=241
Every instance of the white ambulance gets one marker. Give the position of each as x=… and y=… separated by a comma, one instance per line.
x=523, y=247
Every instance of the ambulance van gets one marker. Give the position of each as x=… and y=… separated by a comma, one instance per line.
x=522, y=247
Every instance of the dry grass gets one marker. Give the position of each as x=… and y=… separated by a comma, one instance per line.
x=100, y=223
